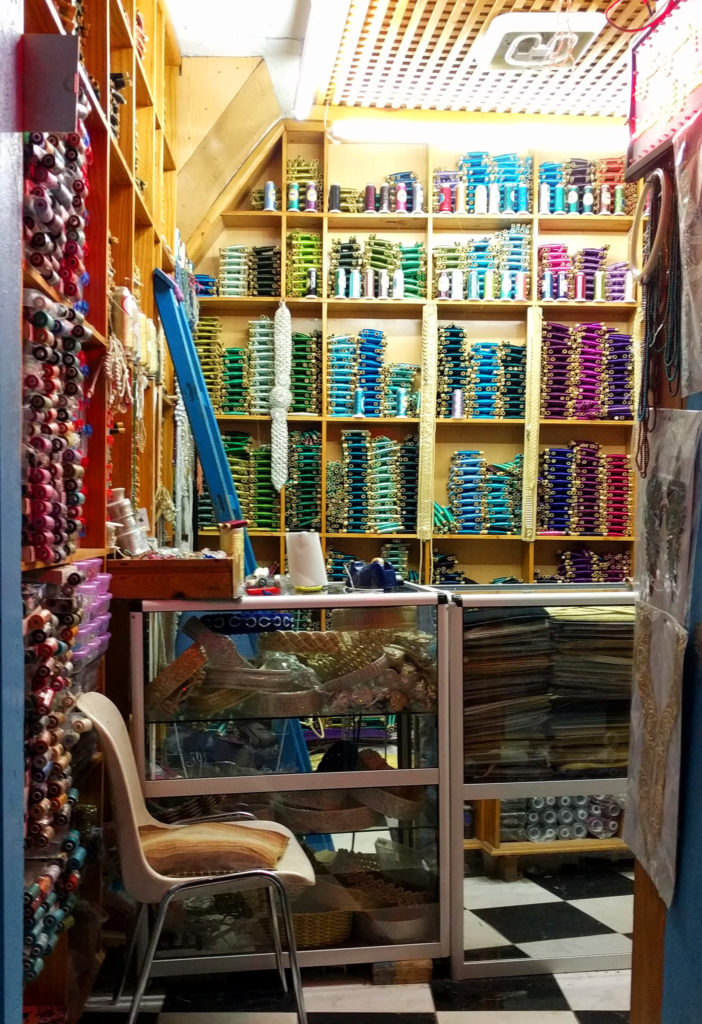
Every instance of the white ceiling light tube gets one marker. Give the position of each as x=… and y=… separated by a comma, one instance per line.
x=325, y=26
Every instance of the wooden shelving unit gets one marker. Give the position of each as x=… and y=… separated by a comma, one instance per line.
x=516, y=321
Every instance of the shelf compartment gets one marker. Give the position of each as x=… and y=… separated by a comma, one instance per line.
x=370, y=221
x=120, y=30
x=251, y=218
x=571, y=223
x=376, y=308
x=31, y=279
x=470, y=309
x=250, y=305
x=477, y=221
x=119, y=169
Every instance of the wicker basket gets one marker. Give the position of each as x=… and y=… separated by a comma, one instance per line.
x=347, y=819
x=327, y=928
x=403, y=804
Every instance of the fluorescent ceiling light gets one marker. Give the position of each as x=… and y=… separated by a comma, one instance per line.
x=325, y=27
x=459, y=135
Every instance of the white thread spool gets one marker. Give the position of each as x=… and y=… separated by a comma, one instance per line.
x=305, y=560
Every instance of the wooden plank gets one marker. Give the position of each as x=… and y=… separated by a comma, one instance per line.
x=209, y=227
x=561, y=846
x=222, y=154
x=647, y=962
x=487, y=822
x=172, y=578
x=205, y=87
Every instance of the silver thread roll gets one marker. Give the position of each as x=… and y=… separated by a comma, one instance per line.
x=457, y=404
x=369, y=284
x=383, y=284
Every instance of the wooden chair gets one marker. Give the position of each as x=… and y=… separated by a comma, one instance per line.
x=148, y=886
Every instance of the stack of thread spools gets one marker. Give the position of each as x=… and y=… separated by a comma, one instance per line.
x=66, y=617
x=53, y=374
x=584, y=490
x=490, y=267
x=546, y=819
x=303, y=492
x=587, y=372
x=580, y=186
x=56, y=187
x=485, y=498
x=585, y=566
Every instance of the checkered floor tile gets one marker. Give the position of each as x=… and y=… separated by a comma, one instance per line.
x=578, y=911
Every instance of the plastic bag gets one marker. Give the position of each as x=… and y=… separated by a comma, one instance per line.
x=688, y=179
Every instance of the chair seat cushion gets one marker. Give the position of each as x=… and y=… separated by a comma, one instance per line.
x=202, y=849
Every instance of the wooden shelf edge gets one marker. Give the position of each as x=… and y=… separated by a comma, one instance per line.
x=575, y=422
x=31, y=279
x=77, y=556
x=556, y=846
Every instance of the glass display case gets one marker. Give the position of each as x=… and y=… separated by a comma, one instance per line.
x=539, y=720
x=327, y=713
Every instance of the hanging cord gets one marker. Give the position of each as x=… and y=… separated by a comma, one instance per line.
x=651, y=23
x=280, y=397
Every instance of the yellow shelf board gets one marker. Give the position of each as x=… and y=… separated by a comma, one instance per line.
x=120, y=30
x=499, y=421
x=209, y=532
x=568, y=306
x=299, y=219
x=556, y=846
x=374, y=421
x=294, y=417
x=607, y=224
x=575, y=422
x=395, y=308
x=251, y=218
x=476, y=536
x=32, y=279
x=245, y=306
x=585, y=536
x=169, y=163
x=119, y=168
x=142, y=216
x=490, y=309
x=144, y=96
x=374, y=536
x=472, y=844
x=373, y=221
x=77, y=556
x=478, y=221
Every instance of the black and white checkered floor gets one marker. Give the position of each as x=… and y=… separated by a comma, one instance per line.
x=594, y=998
x=578, y=911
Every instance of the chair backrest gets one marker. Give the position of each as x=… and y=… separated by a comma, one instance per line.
x=129, y=808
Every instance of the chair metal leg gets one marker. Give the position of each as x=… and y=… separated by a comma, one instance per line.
x=292, y=950
x=148, y=958
x=276, y=936
x=140, y=918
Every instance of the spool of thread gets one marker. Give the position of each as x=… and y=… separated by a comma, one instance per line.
x=311, y=197
x=398, y=284
x=489, y=285
x=384, y=198
x=559, y=199
x=306, y=564
x=481, y=199
x=359, y=404
x=355, y=283
x=369, y=198
x=401, y=403
x=400, y=197
x=417, y=197
x=369, y=283
x=494, y=199
x=334, y=199
x=269, y=200
x=444, y=285
x=383, y=284
x=473, y=285
x=599, y=286
x=457, y=284
x=340, y=283
x=294, y=196
x=457, y=406
x=311, y=292
x=460, y=198
x=506, y=285
x=520, y=285
x=445, y=199
x=579, y=285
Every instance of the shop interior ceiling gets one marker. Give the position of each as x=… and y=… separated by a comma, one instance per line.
x=416, y=54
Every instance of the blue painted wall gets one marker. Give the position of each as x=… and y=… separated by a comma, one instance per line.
x=11, y=655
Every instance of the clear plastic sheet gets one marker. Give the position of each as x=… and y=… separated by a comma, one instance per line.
x=666, y=520
x=651, y=821
x=687, y=147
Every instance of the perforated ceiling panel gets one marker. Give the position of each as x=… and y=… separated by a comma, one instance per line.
x=415, y=54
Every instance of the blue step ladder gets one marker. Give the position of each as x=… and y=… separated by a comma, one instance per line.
x=216, y=471
x=199, y=409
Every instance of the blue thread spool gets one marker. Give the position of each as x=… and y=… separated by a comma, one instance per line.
x=294, y=196
x=473, y=285
x=269, y=196
x=559, y=199
x=522, y=199
x=573, y=199
x=355, y=283
x=547, y=285
x=508, y=198
x=457, y=404
x=358, y=404
x=401, y=402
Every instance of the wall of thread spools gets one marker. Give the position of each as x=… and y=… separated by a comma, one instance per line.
x=67, y=619
x=547, y=819
x=402, y=224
